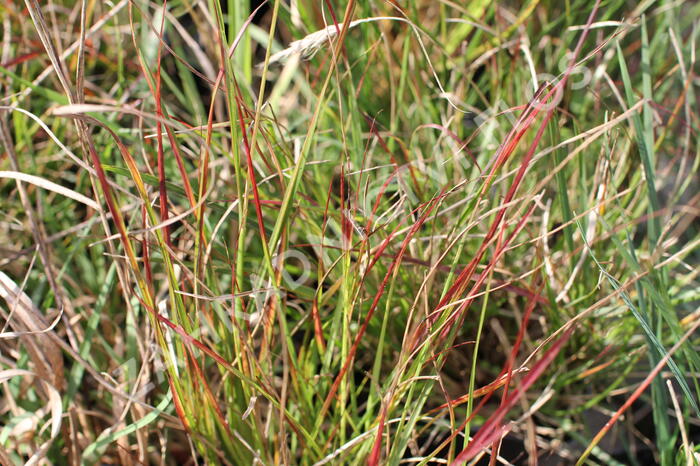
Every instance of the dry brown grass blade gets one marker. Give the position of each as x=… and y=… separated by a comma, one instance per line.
x=44, y=353
x=50, y=186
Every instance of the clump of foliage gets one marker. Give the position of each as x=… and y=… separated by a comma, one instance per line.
x=348, y=232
